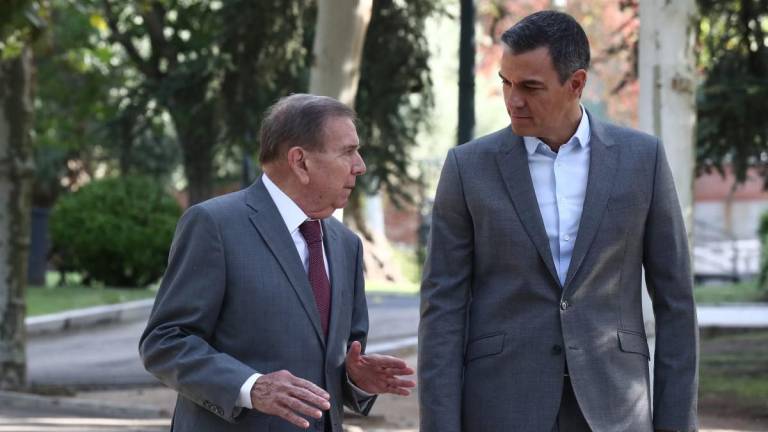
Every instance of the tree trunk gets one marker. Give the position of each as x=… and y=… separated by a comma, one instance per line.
x=337, y=53
x=197, y=146
x=16, y=77
x=467, y=72
x=197, y=128
x=338, y=48
x=666, y=104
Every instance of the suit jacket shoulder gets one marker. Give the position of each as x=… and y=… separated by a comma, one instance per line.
x=630, y=139
x=223, y=206
x=485, y=144
x=348, y=237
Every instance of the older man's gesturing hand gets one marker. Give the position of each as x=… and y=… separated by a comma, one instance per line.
x=287, y=396
x=376, y=373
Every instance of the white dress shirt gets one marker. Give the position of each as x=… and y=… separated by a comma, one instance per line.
x=293, y=217
x=560, y=182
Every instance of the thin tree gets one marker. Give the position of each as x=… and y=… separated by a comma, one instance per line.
x=467, y=72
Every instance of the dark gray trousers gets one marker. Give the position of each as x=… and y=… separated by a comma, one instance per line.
x=570, y=418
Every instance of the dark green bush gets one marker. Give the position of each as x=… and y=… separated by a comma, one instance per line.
x=116, y=231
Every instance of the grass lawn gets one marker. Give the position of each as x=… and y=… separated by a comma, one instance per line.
x=384, y=287
x=46, y=300
x=734, y=374
x=53, y=298
x=41, y=301
x=742, y=292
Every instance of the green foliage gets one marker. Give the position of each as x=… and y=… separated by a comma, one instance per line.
x=139, y=86
x=115, y=230
x=732, y=54
x=762, y=232
x=89, y=112
x=733, y=100
x=213, y=66
x=20, y=23
x=269, y=49
x=739, y=292
x=394, y=98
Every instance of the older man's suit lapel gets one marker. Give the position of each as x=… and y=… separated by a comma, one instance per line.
x=513, y=166
x=334, y=251
x=270, y=225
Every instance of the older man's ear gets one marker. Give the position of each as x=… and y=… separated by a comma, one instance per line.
x=297, y=163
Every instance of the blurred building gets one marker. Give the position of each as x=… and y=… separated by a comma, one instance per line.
x=726, y=220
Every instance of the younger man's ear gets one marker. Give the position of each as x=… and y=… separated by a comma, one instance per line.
x=578, y=81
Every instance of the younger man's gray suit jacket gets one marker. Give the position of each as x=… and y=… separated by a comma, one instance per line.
x=497, y=326
x=236, y=300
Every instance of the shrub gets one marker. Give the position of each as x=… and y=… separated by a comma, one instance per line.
x=117, y=230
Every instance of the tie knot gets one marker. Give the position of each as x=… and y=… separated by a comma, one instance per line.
x=310, y=230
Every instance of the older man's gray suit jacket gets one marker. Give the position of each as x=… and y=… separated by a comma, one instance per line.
x=236, y=300
x=497, y=326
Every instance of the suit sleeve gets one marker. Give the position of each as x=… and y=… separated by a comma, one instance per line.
x=667, y=263
x=355, y=399
x=175, y=347
x=445, y=292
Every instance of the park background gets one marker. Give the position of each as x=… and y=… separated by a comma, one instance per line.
x=117, y=115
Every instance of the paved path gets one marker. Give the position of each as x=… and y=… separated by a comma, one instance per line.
x=736, y=315
x=107, y=355
x=390, y=414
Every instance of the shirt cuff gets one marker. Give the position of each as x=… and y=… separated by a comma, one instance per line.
x=362, y=394
x=244, y=399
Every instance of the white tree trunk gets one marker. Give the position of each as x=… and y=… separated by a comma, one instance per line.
x=667, y=105
x=15, y=179
x=338, y=48
x=338, y=51
x=667, y=83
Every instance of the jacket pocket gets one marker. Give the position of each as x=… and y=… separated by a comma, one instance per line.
x=632, y=342
x=486, y=345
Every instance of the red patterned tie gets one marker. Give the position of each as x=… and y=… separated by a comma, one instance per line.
x=310, y=230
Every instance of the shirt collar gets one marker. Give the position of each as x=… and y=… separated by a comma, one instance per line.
x=292, y=215
x=581, y=136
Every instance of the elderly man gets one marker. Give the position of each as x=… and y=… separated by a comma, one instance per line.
x=261, y=318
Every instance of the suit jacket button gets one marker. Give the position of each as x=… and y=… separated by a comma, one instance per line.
x=564, y=305
x=557, y=350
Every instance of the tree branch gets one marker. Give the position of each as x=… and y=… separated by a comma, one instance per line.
x=148, y=69
x=154, y=18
